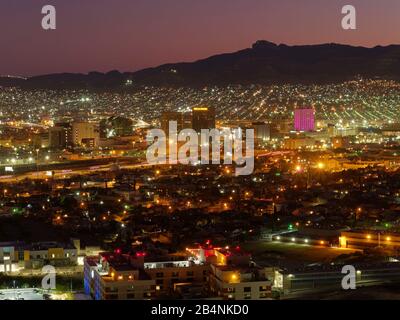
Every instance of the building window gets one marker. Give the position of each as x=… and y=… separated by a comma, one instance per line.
x=175, y=274
x=159, y=275
x=20, y=255
x=190, y=273
x=247, y=289
x=263, y=288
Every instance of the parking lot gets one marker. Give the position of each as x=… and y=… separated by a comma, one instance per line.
x=21, y=294
x=292, y=254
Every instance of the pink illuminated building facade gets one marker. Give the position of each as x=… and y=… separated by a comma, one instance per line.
x=304, y=119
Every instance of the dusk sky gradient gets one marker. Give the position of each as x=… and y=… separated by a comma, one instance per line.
x=128, y=35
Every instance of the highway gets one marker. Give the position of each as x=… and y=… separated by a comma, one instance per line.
x=68, y=172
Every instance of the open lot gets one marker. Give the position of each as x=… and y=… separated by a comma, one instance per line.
x=292, y=254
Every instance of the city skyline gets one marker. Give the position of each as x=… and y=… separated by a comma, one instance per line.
x=144, y=34
x=258, y=158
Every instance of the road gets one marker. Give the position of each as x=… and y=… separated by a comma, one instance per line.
x=67, y=173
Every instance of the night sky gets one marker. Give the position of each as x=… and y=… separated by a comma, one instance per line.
x=128, y=35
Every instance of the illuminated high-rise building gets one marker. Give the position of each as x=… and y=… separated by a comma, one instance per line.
x=84, y=131
x=182, y=120
x=57, y=138
x=203, y=118
x=304, y=119
x=262, y=131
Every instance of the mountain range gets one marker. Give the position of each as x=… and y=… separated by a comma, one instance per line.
x=264, y=63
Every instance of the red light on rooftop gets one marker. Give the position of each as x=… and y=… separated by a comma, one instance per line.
x=140, y=254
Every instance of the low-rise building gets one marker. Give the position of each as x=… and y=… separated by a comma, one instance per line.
x=115, y=276
x=234, y=276
x=15, y=256
x=210, y=272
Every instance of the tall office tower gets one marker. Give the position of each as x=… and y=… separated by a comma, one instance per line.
x=85, y=131
x=57, y=138
x=304, y=119
x=262, y=131
x=203, y=118
x=187, y=120
x=183, y=120
x=67, y=131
